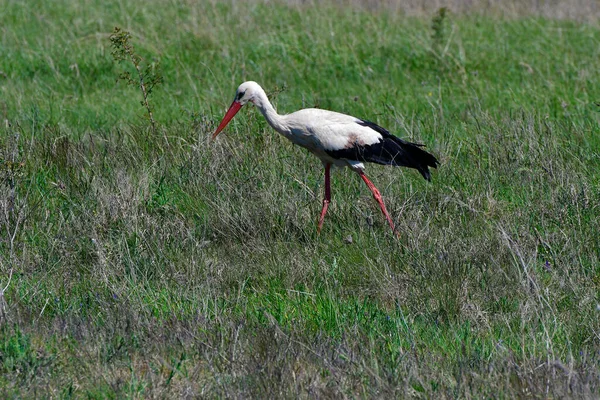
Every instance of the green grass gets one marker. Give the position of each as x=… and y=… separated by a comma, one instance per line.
x=150, y=263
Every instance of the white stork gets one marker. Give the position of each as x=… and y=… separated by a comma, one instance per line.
x=336, y=139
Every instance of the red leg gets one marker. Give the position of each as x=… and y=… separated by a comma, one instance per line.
x=377, y=197
x=327, y=198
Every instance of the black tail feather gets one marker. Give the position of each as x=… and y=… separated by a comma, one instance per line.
x=411, y=155
x=394, y=151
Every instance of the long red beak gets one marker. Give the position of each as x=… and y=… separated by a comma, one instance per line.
x=233, y=109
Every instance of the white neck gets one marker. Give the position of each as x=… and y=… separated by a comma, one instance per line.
x=266, y=108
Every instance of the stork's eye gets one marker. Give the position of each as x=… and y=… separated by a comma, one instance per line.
x=240, y=95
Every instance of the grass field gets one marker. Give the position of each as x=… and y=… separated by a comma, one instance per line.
x=140, y=262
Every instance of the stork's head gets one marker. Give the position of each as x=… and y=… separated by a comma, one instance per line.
x=246, y=92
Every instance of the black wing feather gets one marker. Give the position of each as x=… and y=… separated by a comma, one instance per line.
x=391, y=150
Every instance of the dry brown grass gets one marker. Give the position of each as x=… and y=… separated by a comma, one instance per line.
x=579, y=10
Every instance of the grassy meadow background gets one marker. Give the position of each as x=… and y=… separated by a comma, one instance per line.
x=155, y=263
